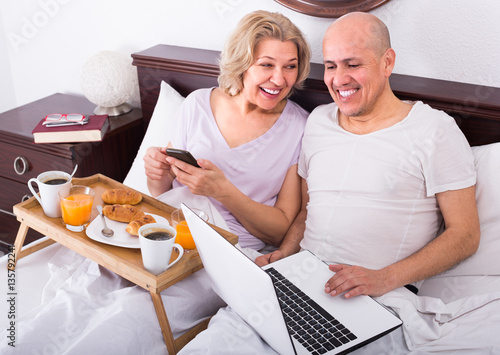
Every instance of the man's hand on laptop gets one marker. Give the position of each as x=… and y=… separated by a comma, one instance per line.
x=356, y=280
x=269, y=258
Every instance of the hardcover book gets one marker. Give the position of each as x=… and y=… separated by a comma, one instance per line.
x=93, y=131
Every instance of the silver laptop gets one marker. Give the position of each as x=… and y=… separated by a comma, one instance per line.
x=285, y=301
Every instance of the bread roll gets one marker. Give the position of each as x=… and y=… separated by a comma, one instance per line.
x=133, y=227
x=121, y=196
x=122, y=213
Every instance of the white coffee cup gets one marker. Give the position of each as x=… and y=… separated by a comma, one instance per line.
x=49, y=198
x=156, y=253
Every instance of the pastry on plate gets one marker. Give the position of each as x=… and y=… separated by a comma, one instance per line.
x=121, y=196
x=122, y=213
x=133, y=227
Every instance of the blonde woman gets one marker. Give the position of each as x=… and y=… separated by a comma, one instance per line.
x=246, y=133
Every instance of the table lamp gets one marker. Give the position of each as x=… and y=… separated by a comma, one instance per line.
x=108, y=80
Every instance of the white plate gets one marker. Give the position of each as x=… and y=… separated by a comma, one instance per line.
x=121, y=237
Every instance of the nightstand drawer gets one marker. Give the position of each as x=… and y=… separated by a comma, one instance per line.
x=12, y=193
x=29, y=163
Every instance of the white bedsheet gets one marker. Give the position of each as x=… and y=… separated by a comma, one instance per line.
x=469, y=325
x=66, y=304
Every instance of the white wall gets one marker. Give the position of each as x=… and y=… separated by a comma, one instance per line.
x=7, y=96
x=44, y=43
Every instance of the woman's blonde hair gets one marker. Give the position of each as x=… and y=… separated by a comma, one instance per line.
x=239, y=50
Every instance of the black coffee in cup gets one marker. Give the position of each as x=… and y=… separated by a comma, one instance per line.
x=56, y=181
x=159, y=235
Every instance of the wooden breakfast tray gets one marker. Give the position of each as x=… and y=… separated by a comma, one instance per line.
x=125, y=262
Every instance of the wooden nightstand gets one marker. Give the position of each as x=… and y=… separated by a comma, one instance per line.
x=21, y=159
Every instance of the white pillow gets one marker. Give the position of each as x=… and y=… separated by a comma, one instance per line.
x=486, y=261
x=169, y=101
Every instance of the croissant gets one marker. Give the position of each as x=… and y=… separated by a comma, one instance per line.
x=121, y=196
x=122, y=213
x=133, y=227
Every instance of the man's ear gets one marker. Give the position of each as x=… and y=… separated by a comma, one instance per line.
x=389, y=60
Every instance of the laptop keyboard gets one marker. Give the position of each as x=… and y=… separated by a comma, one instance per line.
x=317, y=330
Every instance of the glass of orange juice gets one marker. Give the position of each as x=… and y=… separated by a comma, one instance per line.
x=184, y=237
x=76, y=207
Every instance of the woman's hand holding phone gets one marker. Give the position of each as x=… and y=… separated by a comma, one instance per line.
x=158, y=171
x=155, y=163
x=209, y=181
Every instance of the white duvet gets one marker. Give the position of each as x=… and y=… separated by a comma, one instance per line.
x=66, y=304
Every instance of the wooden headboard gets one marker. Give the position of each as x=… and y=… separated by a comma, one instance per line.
x=475, y=108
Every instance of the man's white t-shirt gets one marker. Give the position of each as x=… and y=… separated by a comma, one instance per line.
x=372, y=197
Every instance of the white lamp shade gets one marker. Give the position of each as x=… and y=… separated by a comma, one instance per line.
x=108, y=79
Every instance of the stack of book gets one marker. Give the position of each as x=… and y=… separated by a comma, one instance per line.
x=93, y=131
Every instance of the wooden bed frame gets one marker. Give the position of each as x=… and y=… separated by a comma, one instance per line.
x=476, y=108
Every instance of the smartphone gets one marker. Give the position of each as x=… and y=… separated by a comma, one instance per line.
x=183, y=155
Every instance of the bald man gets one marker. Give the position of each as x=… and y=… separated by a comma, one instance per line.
x=379, y=174
x=379, y=178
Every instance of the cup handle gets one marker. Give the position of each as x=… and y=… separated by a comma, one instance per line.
x=30, y=181
x=181, y=252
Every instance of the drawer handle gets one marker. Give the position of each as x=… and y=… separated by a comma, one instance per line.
x=21, y=165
